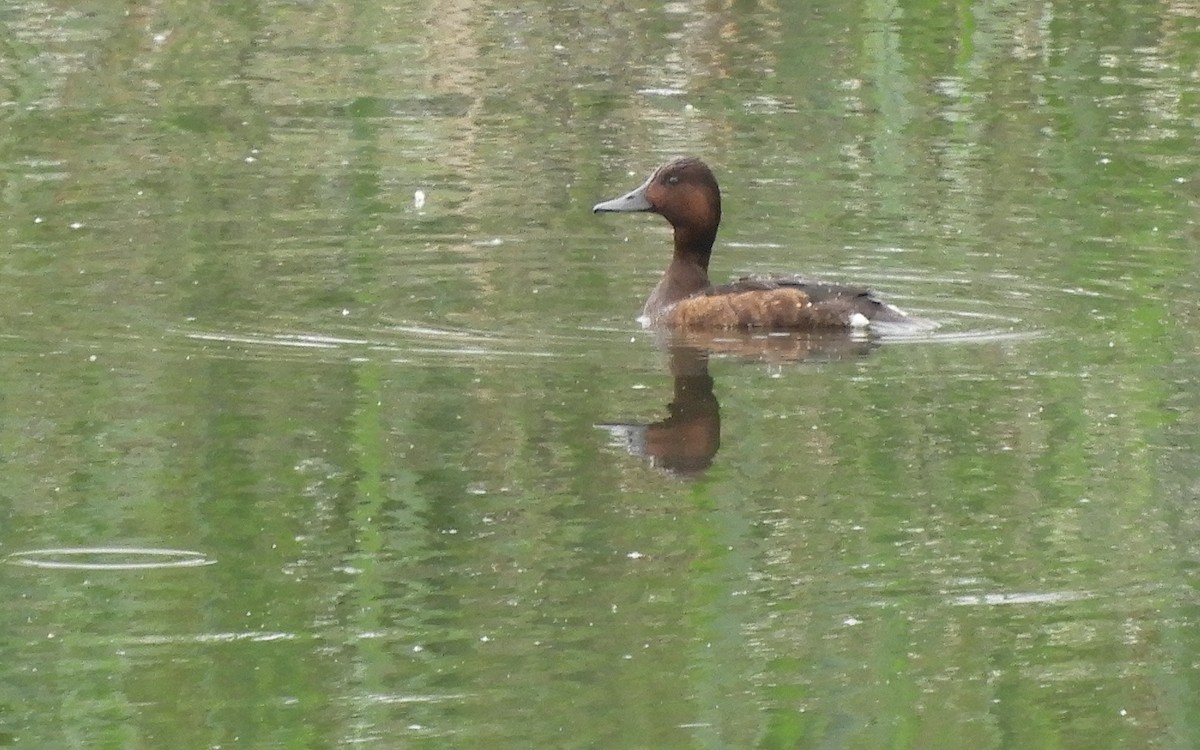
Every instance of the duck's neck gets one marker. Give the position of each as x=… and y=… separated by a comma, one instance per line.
x=693, y=245
x=687, y=274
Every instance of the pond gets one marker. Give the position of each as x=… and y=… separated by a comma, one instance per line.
x=327, y=420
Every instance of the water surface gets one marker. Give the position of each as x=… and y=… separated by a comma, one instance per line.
x=312, y=293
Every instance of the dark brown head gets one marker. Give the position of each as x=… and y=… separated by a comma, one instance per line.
x=685, y=193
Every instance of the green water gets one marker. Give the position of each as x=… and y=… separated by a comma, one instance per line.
x=410, y=438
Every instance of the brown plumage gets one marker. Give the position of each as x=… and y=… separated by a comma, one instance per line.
x=774, y=309
x=686, y=194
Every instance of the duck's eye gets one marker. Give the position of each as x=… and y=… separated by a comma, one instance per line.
x=673, y=179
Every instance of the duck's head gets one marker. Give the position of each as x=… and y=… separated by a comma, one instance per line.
x=684, y=192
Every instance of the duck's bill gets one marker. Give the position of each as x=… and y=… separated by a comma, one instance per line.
x=634, y=200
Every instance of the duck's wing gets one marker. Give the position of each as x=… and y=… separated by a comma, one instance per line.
x=839, y=299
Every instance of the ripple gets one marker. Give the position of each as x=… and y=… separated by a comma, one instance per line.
x=98, y=558
x=403, y=342
x=1027, y=597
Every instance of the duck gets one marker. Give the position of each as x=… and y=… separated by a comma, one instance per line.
x=685, y=193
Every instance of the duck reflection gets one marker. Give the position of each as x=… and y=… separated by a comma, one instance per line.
x=685, y=443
